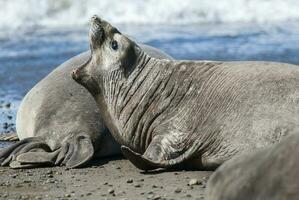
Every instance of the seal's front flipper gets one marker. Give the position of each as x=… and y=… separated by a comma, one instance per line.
x=150, y=160
x=17, y=165
x=35, y=158
x=79, y=151
x=137, y=159
x=10, y=153
x=161, y=153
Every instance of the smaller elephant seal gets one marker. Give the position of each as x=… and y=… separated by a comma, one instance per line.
x=198, y=114
x=58, y=122
x=268, y=174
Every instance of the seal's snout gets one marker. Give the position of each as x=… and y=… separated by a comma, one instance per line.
x=96, y=24
x=95, y=18
x=75, y=75
x=81, y=76
x=96, y=32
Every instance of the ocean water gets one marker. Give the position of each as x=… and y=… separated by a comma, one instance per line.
x=38, y=35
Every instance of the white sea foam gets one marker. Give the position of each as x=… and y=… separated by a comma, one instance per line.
x=20, y=14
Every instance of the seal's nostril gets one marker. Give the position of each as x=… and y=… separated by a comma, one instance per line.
x=75, y=74
x=95, y=18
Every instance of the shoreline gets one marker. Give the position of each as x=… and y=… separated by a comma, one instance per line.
x=109, y=178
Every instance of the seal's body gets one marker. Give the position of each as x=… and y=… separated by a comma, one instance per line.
x=59, y=119
x=271, y=173
x=186, y=113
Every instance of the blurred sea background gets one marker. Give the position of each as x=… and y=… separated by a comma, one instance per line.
x=38, y=35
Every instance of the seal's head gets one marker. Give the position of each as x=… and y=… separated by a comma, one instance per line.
x=111, y=52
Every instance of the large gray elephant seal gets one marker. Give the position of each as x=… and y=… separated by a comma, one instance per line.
x=268, y=174
x=58, y=122
x=186, y=113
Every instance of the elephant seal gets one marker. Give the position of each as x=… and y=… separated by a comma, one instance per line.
x=58, y=122
x=268, y=174
x=198, y=114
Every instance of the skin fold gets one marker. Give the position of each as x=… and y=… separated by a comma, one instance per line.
x=186, y=114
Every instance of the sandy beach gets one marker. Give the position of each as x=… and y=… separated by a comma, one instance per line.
x=114, y=178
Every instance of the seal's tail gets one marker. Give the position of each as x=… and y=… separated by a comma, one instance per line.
x=11, y=137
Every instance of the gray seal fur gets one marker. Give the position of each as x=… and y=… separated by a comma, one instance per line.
x=268, y=174
x=195, y=114
x=58, y=122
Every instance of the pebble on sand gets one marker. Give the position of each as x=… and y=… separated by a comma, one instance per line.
x=130, y=180
x=111, y=191
x=193, y=181
x=178, y=190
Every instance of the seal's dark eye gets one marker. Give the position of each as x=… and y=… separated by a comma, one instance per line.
x=114, y=45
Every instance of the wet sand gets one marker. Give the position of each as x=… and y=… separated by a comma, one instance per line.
x=114, y=178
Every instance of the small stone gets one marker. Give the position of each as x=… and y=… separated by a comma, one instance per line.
x=193, y=181
x=111, y=191
x=130, y=180
x=154, y=186
x=137, y=185
x=156, y=197
x=67, y=195
x=88, y=194
x=178, y=190
x=50, y=181
x=14, y=175
x=24, y=197
x=29, y=173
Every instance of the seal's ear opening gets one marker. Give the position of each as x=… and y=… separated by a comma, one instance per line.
x=82, y=152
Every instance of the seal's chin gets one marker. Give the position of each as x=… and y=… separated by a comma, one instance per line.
x=96, y=32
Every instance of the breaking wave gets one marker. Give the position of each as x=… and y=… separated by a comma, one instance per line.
x=26, y=14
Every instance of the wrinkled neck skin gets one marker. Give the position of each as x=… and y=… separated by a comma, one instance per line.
x=134, y=105
x=111, y=84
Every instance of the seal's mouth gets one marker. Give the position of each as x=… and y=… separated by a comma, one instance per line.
x=96, y=32
x=81, y=76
